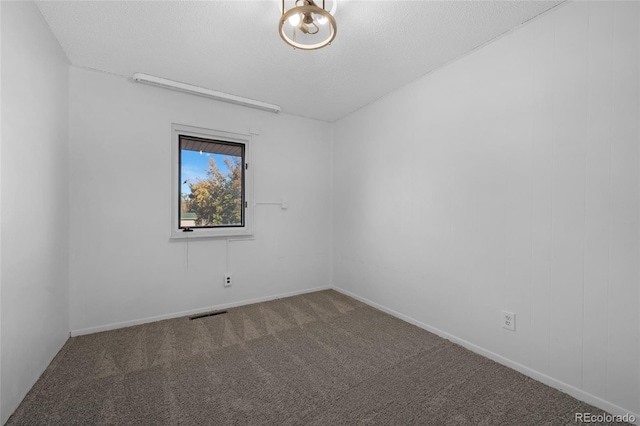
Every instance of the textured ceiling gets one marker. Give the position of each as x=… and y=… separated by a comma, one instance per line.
x=234, y=46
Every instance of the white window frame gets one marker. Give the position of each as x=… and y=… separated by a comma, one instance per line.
x=178, y=130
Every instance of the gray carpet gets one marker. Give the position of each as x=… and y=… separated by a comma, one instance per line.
x=316, y=359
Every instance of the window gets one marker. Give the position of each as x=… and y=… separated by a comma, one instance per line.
x=211, y=183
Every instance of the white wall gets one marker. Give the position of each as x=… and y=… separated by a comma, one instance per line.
x=35, y=202
x=508, y=180
x=124, y=269
x=1, y=411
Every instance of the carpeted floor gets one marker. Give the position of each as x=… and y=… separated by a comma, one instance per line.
x=315, y=359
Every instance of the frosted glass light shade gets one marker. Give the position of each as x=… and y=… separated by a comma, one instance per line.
x=302, y=26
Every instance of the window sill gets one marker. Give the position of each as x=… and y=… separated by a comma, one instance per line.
x=210, y=233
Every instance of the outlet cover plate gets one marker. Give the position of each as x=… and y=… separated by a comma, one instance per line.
x=509, y=320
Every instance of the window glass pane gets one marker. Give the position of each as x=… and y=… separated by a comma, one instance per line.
x=211, y=183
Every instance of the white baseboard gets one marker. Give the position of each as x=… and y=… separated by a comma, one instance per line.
x=543, y=378
x=114, y=326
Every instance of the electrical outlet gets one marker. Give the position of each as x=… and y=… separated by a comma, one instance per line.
x=509, y=320
x=227, y=280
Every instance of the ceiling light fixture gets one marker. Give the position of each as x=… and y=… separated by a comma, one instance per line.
x=201, y=91
x=308, y=26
